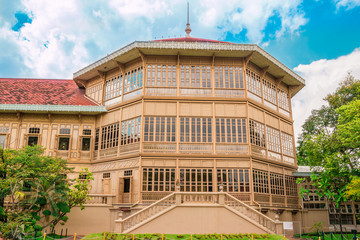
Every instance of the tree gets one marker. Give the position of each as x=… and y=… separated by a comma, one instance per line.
x=34, y=191
x=329, y=143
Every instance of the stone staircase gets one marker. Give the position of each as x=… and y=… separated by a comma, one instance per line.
x=183, y=199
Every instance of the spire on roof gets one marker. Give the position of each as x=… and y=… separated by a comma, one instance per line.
x=188, y=29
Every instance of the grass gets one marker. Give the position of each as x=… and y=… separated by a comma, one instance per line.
x=99, y=236
x=336, y=236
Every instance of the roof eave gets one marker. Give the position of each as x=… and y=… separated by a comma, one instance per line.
x=191, y=46
x=70, y=109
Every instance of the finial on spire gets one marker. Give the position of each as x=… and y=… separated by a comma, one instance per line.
x=188, y=29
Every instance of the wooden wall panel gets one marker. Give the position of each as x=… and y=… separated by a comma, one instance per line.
x=272, y=121
x=160, y=109
x=195, y=109
x=230, y=110
x=285, y=127
x=132, y=111
x=111, y=117
x=256, y=114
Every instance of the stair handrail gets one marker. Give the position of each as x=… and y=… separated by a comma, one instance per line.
x=146, y=208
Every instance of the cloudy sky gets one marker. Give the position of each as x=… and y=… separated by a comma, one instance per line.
x=318, y=39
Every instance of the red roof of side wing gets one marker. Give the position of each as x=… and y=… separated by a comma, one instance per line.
x=190, y=39
x=42, y=92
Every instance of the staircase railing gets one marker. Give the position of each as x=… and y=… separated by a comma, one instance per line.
x=122, y=225
x=199, y=198
x=253, y=214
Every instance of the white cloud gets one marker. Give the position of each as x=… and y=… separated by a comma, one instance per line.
x=322, y=77
x=347, y=4
x=234, y=16
x=66, y=35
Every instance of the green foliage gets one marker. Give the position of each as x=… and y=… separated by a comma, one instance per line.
x=318, y=226
x=37, y=190
x=353, y=189
x=330, y=143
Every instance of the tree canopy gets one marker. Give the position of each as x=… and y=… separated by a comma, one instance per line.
x=35, y=192
x=330, y=144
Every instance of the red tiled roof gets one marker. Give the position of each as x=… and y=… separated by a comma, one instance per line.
x=42, y=92
x=190, y=39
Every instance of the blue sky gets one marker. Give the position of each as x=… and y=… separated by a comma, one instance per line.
x=319, y=39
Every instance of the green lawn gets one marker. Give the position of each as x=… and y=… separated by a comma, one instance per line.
x=100, y=236
x=328, y=236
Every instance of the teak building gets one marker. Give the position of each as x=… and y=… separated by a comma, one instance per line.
x=200, y=129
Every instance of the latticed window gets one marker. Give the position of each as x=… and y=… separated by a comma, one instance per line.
x=159, y=129
x=195, y=76
x=65, y=131
x=196, y=180
x=96, y=144
x=229, y=77
x=277, y=184
x=273, y=139
x=87, y=132
x=287, y=144
x=113, y=87
x=106, y=175
x=269, y=91
x=36, y=130
x=291, y=186
x=133, y=80
x=127, y=173
x=110, y=136
x=158, y=179
x=257, y=133
x=4, y=129
x=230, y=130
x=130, y=131
x=260, y=181
x=161, y=75
x=195, y=129
x=253, y=82
x=283, y=99
x=234, y=180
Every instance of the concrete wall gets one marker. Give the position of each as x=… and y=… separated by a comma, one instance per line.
x=187, y=219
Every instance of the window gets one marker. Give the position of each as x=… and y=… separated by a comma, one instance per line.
x=196, y=180
x=4, y=129
x=287, y=144
x=133, y=80
x=195, y=129
x=106, y=175
x=64, y=143
x=65, y=131
x=234, y=180
x=161, y=75
x=273, y=139
x=87, y=132
x=35, y=130
x=85, y=145
x=283, y=99
x=230, y=130
x=195, y=76
x=96, y=144
x=314, y=205
x=110, y=136
x=158, y=179
x=277, y=184
x=159, y=129
x=33, y=140
x=269, y=91
x=346, y=219
x=253, y=82
x=130, y=131
x=128, y=173
x=229, y=77
x=82, y=176
x=260, y=181
x=2, y=141
x=113, y=87
x=291, y=186
x=257, y=134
